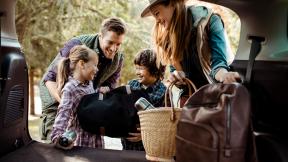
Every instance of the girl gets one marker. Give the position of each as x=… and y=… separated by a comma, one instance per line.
x=177, y=37
x=149, y=79
x=74, y=80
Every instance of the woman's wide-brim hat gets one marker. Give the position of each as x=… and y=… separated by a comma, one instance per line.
x=146, y=12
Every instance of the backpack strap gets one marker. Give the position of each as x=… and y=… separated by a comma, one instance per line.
x=101, y=96
x=128, y=89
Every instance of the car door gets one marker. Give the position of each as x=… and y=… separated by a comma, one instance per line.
x=262, y=60
x=13, y=85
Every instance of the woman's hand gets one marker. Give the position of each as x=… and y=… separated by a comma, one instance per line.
x=136, y=136
x=226, y=77
x=177, y=76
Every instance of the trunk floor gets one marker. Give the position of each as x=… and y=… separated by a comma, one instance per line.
x=41, y=152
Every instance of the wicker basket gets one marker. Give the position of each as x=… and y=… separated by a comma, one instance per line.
x=158, y=133
x=158, y=129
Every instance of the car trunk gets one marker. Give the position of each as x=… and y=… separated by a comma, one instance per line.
x=265, y=19
x=264, y=35
x=35, y=151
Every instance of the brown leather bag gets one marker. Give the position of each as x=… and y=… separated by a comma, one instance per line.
x=215, y=126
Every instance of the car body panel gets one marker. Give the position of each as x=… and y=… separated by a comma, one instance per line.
x=13, y=85
x=262, y=18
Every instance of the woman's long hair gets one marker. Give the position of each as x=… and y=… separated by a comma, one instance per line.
x=68, y=65
x=172, y=43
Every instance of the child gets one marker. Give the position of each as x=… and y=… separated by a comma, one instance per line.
x=149, y=78
x=74, y=80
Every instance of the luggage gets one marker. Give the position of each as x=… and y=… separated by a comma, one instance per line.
x=158, y=128
x=215, y=126
x=112, y=114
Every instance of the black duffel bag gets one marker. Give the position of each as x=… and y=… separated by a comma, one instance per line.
x=112, y=114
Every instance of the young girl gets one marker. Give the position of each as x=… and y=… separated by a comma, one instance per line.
x=149, y=78
x=74, y=80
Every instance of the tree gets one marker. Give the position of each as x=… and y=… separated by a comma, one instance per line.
x=44, y=26
x=34, y=34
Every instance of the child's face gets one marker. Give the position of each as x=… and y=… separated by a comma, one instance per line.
x=144, y=75
x=90, y=68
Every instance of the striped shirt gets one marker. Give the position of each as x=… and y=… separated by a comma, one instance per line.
x=66, y=118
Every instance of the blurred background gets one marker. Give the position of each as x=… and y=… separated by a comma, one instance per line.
x=43, y=26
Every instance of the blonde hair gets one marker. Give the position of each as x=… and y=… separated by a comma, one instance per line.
x=171, y=44
x=68, y=65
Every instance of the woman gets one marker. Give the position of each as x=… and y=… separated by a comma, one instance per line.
x=179, y=42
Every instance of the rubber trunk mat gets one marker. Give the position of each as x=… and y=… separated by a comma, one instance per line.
x=41, y=152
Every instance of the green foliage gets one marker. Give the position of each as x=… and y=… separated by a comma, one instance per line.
x=43, y=26
x=37, y=31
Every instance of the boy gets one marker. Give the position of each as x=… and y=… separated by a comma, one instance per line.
x=149, y=78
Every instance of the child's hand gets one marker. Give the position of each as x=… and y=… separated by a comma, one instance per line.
x=104, y=89
x=136, y=136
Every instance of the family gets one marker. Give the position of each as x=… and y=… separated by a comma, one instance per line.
x=92, y=63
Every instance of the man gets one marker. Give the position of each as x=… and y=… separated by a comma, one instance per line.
x=106, y=44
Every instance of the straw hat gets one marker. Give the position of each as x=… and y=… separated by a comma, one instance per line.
x=146, y=12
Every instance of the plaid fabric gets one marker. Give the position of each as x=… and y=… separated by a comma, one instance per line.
x=156, y=94
x=66, y=118
x=109, y=73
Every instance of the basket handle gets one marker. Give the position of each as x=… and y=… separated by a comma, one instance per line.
x=190, y=85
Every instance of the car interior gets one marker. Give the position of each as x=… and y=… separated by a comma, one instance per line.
x=261, y=58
